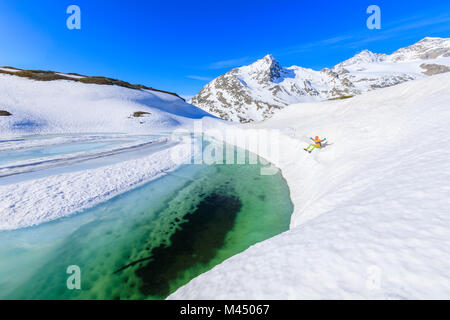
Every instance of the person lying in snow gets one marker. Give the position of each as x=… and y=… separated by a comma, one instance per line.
x=317, y=144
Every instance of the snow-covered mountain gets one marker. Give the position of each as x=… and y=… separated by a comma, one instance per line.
x=255, y=92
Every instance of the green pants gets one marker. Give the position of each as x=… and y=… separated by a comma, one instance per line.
x=313, y=146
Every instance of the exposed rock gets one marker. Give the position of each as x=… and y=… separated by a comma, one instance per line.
x=432, y=69
x=139, y=114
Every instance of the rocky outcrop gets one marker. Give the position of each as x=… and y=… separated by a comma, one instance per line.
x=432, y=69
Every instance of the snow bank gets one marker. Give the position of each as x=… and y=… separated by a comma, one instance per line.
x=62, y=106
x=37, y=201
x=371, y=215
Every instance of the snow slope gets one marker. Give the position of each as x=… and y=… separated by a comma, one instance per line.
x=257, y=91
x=61, y=106
x=372, y=210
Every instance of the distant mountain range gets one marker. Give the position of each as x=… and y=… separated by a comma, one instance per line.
x=255, y=92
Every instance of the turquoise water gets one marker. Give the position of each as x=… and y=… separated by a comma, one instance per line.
x=148, y=242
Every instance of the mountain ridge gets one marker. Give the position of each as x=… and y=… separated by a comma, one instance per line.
x=46, y=75
x=256, y=91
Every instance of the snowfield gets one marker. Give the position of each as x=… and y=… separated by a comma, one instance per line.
x=372, y=210
x=61, y=106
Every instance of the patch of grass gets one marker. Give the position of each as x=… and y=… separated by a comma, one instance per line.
x=139, y=114
x=75, y=74
x=4, y=113
x=12, y=68
x=341, y=98
x=39, y=75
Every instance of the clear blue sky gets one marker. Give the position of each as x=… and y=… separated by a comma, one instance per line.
x=180, y=45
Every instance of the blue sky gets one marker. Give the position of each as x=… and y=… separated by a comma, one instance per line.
x=181, y=45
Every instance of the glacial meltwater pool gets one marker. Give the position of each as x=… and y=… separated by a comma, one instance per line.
x=148, y=242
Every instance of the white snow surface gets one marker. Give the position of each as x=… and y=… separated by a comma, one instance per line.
x=70, y=75
x=61, y=106
x=371, y=211
x=42, y=200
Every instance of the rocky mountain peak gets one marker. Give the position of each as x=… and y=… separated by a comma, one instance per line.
x=365, y=56
x=432, y=39
x=269, y=59
x=426, y=49
x=267, y=69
